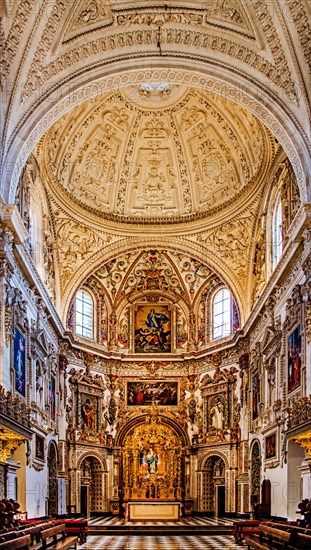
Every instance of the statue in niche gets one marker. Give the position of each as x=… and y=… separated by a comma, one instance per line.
x=152, y=462
x=88, y=414
x=218, y=468
x=39, y=385
x=217, y=415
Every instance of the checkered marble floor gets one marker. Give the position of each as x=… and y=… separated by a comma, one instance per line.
x=193, y=520
x=161, y=542
x=158, y=543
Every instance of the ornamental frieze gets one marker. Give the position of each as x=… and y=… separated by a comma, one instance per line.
x=179, y=32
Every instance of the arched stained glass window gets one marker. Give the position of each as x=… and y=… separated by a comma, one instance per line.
x=222, y=314
x=277, y=232
x=84, y=314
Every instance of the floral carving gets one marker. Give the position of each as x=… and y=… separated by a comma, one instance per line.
x=231, y=240
x=76, y=243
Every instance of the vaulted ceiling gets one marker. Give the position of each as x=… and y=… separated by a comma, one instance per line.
x=157, y=153
x=155, y=122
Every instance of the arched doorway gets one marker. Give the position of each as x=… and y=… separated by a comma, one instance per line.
x=52, y=480
x=213, y=493
x=93, y=486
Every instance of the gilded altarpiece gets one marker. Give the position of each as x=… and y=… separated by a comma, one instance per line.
x=152, y=462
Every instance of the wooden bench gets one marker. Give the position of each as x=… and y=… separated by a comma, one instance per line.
x=32, y=529
x=301, y=536
x=302, y=541
x=22, y=542
x=245, y=527
x=269, y=537
x=77, y=527
x=55, y=538
x=289, y=526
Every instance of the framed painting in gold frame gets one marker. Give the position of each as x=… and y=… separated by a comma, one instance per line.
x=147, y=392
x=152, y=325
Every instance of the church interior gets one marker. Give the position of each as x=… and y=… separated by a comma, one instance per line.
x=155, y=276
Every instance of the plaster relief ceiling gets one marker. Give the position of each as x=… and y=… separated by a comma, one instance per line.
x=89, y=16
x=156, y=152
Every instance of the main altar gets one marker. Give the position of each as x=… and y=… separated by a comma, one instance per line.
x=152, y=471
x=152, y=511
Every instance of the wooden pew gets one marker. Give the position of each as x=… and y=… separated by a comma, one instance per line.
x=292, y=527
x=245, y=527
x=55, y=538
x=269, y=537
x=22, y=542
x=32, y=529
x=77, y=527
x=302, y=541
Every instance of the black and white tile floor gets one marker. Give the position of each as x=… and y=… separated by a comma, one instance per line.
x=151, y=542
x=133, y=542
x=115, y=521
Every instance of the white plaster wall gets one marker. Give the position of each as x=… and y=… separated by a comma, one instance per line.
x=278, y=479
x=306, y=481
x=294, y=491
x=36, y=492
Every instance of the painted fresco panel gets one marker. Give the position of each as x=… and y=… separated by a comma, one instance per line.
x=152, y=329
x=270, y=446
x=145, y=393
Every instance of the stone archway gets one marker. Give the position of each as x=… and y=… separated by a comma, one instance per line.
x=213, y=489
x=52, y=480
x=93, y=486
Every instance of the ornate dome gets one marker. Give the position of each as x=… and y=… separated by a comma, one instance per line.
x=156, y=153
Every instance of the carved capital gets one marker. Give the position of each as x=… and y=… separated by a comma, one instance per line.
x=304, y=441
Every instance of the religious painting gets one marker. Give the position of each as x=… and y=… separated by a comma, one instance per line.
x=52, y=397
x=39, y=447
x=19, y=360
x=294, y=360
x=152, y=329
x=89, y=414
x=270, y=446
x=146, y=393
x=255, y=396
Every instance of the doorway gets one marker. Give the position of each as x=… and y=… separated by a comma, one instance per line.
x=213, y=486
x=93, y=493
x=84, y=500
x=221, y=500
